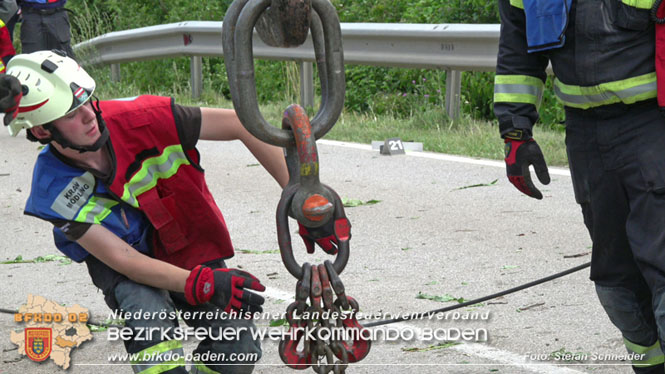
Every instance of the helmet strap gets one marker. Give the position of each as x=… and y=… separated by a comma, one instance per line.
x=58, y=137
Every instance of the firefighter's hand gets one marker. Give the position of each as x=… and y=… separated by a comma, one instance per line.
x=229, y=289
x=519, y=155
x=10, y=97
x=324, y=236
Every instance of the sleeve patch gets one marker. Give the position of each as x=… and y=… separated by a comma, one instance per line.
x=74, y=196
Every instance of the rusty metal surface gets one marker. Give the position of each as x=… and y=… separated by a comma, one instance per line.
x=238, y=24
x=307, y=319
x=285, y=23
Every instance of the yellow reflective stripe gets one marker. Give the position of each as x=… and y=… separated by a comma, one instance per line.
x=165, y=366
x=95, y=210
x=628, y=91
x=518, y=79
x=150, y=366
x=517, y=3
x=516, y=98
x=163, y=166
x=518, y=89
x=164, y=346
x=2, y=24
x=641, y=4
x=651, y=355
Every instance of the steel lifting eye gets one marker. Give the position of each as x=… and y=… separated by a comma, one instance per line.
x=239, y=22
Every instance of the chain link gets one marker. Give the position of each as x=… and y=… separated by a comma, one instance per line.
x=322, y=325
x=322, y=320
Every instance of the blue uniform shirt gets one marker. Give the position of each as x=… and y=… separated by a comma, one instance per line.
x=61, y=192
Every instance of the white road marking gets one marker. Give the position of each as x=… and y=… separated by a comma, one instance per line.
x=474, y=349
x=511, y=358
x=439, y=156
x=278, y=294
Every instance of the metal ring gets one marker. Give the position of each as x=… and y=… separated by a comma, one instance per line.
x=284, y=236
x=239, y=22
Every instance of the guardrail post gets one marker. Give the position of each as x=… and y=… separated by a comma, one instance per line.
x=196, y=81
x=115, y=73
x=306, y=84
x=453, y=92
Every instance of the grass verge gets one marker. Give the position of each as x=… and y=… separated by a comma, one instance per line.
x=464, y=136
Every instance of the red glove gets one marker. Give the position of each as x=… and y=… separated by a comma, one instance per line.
x=226, y=288
x=519, y=155
x=10, y=96
x=658, y=16
x=324, y=236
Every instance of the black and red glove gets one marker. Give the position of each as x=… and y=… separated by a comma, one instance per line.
x=324, y=236
x=226, y=288
x=658, y=16
x=10, y=96
x=519, y=155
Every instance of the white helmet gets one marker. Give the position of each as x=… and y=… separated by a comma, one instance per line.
x=53, y=86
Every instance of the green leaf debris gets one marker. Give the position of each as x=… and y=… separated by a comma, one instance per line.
x=444, y=299
x=352, y=203
x=48, y=258
x=490, y=184
x=432, y=347
x=254, y=252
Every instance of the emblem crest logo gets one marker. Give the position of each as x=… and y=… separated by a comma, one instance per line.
x=38, y=343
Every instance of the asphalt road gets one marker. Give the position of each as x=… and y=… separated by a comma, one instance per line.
x=428, y=234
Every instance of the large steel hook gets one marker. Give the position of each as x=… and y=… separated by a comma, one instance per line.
x=359, y=348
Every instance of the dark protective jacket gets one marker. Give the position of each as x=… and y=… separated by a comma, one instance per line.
x=8, y=9
x=607, y=58
x=151, y=173
x=42, y=4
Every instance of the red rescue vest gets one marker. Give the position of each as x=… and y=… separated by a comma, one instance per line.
x=154, y=174
x=6, y=46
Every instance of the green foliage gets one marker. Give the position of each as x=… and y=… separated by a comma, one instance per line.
x=417, y=11
x=405, y=92
x=375, y=90
x=140, y=13
x=453, y=11
x=478, y=94
x=387, y=11
x=551, y=111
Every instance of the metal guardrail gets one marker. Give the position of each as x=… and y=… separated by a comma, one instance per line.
x=451, y=47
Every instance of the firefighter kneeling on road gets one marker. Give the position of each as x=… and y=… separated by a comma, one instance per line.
x=121, y=182
x=603, y=56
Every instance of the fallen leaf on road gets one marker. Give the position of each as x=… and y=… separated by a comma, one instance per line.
x=492, y=183
x=432, y=347
x=529, y=307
